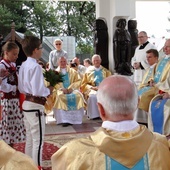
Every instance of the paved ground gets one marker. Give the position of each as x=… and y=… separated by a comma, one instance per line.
x=86, y=126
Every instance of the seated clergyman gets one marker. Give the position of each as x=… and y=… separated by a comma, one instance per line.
x=90, y=83
x=68, y=103
x=121, y=143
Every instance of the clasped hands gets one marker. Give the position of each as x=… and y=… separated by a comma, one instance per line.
x=165, y=96
x=3, y=72
x=94, y=88
x=67, y=91
x=151, y=83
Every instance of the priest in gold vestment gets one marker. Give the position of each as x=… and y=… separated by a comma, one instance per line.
x=11, y=159
x=68, y=102
x=90, y=83
x=157, y=81
x=159, y=109
x=121, y=143
x=145, y=91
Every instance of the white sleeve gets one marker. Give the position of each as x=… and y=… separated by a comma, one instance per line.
x=133, y=60
x=37, y=83
x=5, y=87
x=50, y=60
x=145, y=64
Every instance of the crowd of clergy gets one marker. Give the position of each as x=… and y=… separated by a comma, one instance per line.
x=76, y=96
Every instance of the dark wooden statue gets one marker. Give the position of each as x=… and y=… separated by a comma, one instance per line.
x=122, y=48
x=132, y=28
x=101, y=40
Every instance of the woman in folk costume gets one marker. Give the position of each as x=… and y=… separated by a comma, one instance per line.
x=12, y=128
x=68, y=100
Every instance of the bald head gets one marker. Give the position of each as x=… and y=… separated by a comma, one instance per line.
x=76, y=60
x=118, y=95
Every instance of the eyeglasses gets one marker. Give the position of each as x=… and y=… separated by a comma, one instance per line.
x=141, y=36
x=39, y=48
x=57, y=44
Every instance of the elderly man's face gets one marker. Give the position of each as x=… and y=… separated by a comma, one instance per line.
x=58, y=45
x=76, y=60
x=142, y=38
x=96, y=62
x=62, y=62
x=166, y=47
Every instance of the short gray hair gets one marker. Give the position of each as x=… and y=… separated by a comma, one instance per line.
x=96, y=56
x=117, y=97
x=57, y=40
x=58, y=59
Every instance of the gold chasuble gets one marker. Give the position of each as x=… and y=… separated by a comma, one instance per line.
x=11, y=159
x=73, y=101
x=159, y=110
x=159, y=115
x=127, y=149
x=146, y=92
x=160, y=79
x=89, y=80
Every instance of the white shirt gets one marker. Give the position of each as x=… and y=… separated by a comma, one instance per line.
x=31, y=79
x=122, y=126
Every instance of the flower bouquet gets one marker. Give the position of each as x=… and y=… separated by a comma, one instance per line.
x=53, y=77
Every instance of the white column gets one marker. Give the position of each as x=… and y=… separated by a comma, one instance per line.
x=112, y=10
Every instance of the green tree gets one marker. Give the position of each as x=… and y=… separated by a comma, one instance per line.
x=77, y=20
x=42, y=18
x=10, y=11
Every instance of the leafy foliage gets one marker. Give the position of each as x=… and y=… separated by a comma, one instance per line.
x=42, y=18
x=53, y=77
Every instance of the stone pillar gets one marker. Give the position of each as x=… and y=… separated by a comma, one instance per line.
x=112, y=10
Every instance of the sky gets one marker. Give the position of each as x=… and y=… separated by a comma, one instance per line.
x=152, y=17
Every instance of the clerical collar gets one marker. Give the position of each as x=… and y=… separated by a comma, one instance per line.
x=97, y=69
x=122, y=126
x=167, y=56
x=152, y=66
x=143, y=45
x=63, y=70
